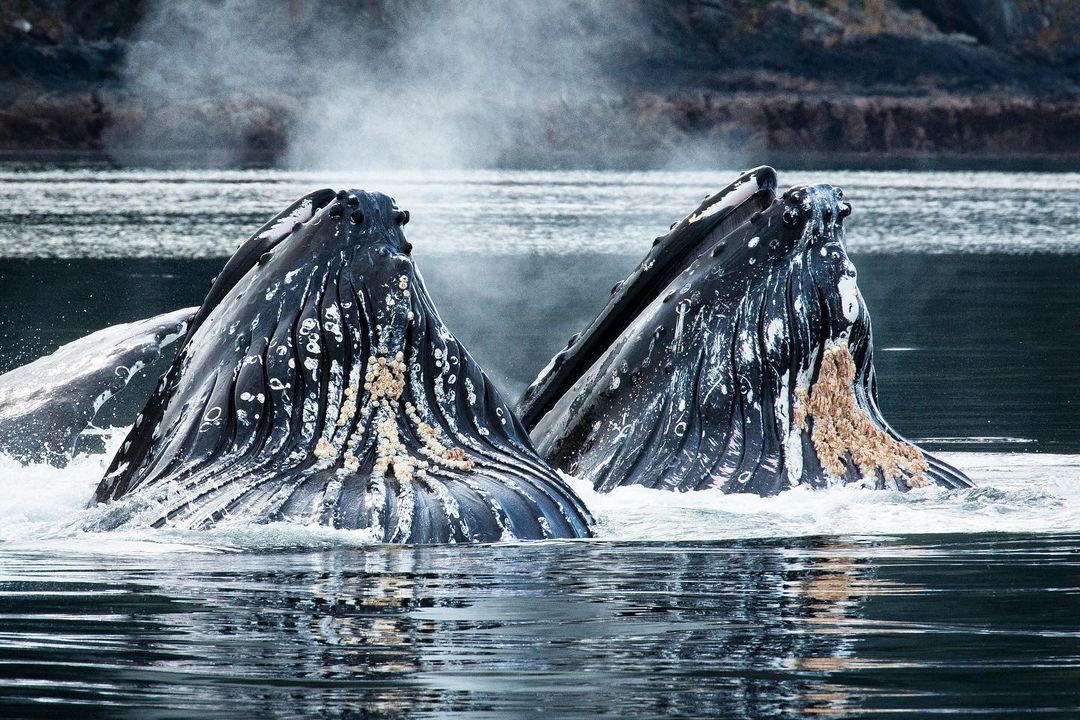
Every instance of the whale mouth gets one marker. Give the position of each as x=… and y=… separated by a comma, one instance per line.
x=322, y=387
x=725, y=211
x=749, y=370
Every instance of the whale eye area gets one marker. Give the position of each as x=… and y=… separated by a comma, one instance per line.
x=791, y=216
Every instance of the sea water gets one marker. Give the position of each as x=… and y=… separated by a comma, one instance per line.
x=836, y=604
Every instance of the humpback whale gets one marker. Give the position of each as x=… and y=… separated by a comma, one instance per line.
x=317, y=384
x=46, y=404
x=738, y=355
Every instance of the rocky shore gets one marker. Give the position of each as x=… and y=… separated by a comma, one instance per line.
x=132, y=81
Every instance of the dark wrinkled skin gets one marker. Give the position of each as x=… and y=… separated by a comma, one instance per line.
x=687, y=379
x=253, y=421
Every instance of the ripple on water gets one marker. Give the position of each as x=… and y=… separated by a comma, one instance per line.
x=109, y=212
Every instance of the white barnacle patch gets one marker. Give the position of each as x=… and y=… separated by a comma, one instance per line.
x=616, y=380
x=291, y=275
x=211, y=418
x=384, y=382
x=348, y=407
x=774, y=333
x=272, y=291
x=753, y=242
x=324, y=450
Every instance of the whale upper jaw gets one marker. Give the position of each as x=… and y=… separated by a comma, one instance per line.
x=743, y=362
x=752, y=192
x=320, y=386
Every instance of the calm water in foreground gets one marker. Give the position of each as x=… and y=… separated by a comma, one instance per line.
x=837, y=604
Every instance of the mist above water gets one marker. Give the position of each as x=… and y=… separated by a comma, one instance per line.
x=415, y=83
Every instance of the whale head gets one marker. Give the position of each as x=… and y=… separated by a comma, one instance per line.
x=744, y=361
x=319, y=385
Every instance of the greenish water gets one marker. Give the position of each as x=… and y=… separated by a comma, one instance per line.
x=837, y=604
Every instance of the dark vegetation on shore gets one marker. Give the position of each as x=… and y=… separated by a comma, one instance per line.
x=567, y=82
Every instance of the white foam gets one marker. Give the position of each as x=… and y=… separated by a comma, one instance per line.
x=1015, y=492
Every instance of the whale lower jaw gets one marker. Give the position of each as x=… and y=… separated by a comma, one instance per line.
x=478, y=505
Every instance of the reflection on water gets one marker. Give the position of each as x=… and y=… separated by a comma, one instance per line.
x=970, y=279
x=830, y=627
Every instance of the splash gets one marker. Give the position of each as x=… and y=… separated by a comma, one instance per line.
x=1015, y=492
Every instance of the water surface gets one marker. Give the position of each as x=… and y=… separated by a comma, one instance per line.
x=838, y=604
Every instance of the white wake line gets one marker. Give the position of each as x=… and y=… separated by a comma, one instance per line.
x=1015, y=492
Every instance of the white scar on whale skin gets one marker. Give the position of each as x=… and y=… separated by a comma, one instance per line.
x=736, y=196
x=849, y=294
x=285, y=225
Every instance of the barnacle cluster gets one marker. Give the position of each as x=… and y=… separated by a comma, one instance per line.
x=453, y=458
x=385, y=381
x=383, y=384
x=841, y=428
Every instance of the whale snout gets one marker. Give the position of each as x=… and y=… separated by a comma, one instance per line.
x=367, y=219
x=821, y=208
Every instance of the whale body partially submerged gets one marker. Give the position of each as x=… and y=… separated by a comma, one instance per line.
x=738, y=355
x=316, y=383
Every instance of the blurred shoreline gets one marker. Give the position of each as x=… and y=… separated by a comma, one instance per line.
x=640, y=84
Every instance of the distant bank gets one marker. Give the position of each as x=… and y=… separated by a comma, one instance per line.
x=629, y=84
